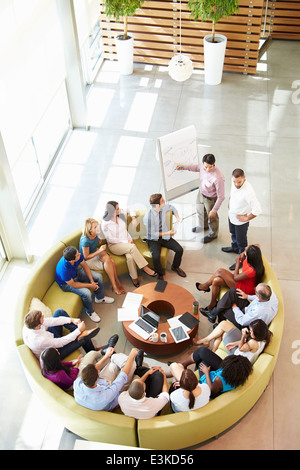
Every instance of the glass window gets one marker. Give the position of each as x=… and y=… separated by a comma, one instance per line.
x=92, y=53
x=37, y=156
x=3, y=257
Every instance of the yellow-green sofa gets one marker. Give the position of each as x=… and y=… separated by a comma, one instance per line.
x=168, y=431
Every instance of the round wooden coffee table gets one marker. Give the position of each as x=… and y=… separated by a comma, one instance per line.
x=175, y=300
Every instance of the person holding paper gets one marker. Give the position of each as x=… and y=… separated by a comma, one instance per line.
x=159, y=234
x=210, y=196
x=120, y=242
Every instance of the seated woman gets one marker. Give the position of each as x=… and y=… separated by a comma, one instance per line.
x=120, y=241
x=61, y=373
x=221, y=375
x=64, y=373
x=97, y=258
x=186, y=393
x=251, y=275
x=248, y=342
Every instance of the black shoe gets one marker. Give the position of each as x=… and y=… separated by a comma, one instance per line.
x=111, y=344
x=201, y=290
x=210, y=314
x=232, y=267
x=208, y=239
x=139, y=358
x=229, y=249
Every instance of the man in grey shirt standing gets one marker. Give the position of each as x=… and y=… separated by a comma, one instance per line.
x=160, y=235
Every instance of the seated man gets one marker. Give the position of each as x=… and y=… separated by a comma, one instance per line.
x=242, y=309
x=98, y=386
x=159, y=235
x=80, y=281
x=146, y=395
x=38, y=338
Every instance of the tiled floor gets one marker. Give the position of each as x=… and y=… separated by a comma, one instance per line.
x=250, y=122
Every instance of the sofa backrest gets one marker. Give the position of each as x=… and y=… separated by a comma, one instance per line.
x=41, y=277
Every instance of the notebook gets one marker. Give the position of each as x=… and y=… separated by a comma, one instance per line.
x=146, y=324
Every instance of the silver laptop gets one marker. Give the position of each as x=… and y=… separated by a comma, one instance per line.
x=146, y=324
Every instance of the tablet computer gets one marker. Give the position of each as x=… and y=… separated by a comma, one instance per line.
x=179, y=334
x=160, y=285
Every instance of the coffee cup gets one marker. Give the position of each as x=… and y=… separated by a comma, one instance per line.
x=163, y=337
x=153, y=337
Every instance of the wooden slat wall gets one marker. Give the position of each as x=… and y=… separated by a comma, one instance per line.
x=156, y=29
x=282, y=19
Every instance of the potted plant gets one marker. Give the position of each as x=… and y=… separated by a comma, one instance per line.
x=124, y=42
x=214, y=44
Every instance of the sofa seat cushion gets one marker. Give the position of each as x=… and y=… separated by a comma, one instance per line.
x=56, y=298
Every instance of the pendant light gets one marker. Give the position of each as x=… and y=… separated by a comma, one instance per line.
x=180, y=66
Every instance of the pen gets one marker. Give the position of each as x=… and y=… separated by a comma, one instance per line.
x=179, y=168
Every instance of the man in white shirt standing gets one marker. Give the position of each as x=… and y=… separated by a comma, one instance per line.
x=243, y=206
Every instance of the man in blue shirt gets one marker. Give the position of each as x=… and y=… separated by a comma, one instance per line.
x=98, y=386
x=80, y=281
x=159, y=234
x=242, y=309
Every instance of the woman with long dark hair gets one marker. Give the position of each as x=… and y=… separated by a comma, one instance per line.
x=61, y=373
x=221, y=375
x=186, y=393
x=252, y=273
x=248, y=342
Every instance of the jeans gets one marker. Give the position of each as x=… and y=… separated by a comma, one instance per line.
x=239, y=236
x=57, y=331
x=155, y=249
x=85, y=293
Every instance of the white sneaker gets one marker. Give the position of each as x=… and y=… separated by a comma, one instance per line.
x=105, y=300
x=93, y=316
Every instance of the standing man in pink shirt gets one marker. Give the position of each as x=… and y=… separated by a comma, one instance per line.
x=210, y=196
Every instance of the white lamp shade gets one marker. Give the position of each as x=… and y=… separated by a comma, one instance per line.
x=180, y=68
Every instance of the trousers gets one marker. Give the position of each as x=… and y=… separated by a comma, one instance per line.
x=155, y=250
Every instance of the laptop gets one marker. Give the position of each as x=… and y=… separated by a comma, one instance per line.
x=146, y=324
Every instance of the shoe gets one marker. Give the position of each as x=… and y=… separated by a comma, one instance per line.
x=208, y=239
x=94, y=316
x=179, y=271
x=135, y=282
x=111, y=344
x=139, y=358
x=160, y=277
x=210, y=314
x=151, y=275
x=105, y=300
x=196, y=229
x=232, y=267
x=87, y=334
x=229, y=249
x=203, y=290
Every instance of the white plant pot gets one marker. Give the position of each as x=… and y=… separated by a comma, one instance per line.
x=214, y=53
x=125, y=54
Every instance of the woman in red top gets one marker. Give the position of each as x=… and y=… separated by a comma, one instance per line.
x=252, y=273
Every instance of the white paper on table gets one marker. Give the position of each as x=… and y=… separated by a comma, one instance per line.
x=128, y=314
x=132, y=300
x=174, y=322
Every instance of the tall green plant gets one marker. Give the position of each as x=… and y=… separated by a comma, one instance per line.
x=123, y=9
x=212, y=10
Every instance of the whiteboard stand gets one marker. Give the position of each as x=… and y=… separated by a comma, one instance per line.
x=179, y=147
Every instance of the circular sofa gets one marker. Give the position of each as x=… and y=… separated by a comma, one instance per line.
x=169, y=431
